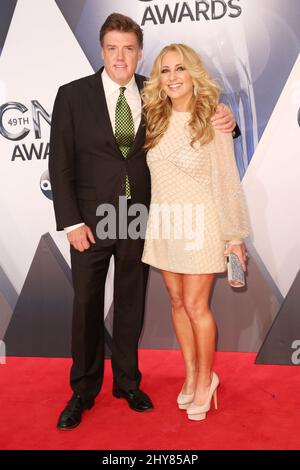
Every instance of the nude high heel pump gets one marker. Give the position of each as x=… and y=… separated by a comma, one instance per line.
x=198, y=412
x=184, y=400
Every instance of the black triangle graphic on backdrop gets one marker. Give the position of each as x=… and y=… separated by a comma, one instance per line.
x=240, y=329
x=7, y=11
x=277, y=346
x=72, y=12
x=244, y=316
x=41, y=323
x=108, y=329
x=157, y=331
x=8, y=300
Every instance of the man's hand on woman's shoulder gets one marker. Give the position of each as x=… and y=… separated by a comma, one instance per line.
x=224, y=119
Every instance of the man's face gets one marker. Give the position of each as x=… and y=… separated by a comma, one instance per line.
x=120, y=53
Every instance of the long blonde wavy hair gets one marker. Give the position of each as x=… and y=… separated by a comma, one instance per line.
x=203, y=103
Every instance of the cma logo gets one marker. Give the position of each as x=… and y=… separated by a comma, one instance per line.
x=15, y=125
x=200, y=10
x=17, y=120
x=296, y=354
x=45, y=185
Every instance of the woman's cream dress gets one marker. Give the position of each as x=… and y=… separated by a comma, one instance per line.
x=197, y=203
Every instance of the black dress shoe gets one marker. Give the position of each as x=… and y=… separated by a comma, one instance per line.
x=71, y=415
x=137, y=400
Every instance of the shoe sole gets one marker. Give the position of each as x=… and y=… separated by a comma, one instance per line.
x=184, y=406
x=69, y=428
x=197, y=417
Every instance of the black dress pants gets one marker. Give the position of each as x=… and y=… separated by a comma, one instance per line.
x=89, y=271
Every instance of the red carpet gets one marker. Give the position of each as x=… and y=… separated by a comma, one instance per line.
x=259, y=407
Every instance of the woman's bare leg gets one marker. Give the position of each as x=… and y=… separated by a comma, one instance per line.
x=183, y=329
x=196, y=293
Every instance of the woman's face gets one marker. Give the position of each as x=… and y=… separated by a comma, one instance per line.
x=175, y=80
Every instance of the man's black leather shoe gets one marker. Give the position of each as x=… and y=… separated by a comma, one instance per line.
x=71, y=415
x=137, y=400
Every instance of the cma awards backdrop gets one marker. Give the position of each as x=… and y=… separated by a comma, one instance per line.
x=252, y=48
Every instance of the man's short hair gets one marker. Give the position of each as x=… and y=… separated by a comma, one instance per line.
x=118, y=22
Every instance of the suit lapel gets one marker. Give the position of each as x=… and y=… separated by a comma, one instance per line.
x=141, y=130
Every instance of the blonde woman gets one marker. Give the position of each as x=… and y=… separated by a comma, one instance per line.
x=193, y=178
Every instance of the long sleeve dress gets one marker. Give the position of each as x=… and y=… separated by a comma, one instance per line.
x=197, y=202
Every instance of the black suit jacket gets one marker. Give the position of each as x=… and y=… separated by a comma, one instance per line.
x=85, y=162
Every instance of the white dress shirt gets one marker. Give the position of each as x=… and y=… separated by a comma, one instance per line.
x=112, y=91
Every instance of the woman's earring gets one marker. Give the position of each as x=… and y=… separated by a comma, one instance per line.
x=195, y=90
x=164, y=97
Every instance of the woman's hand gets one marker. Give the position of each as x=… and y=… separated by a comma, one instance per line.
x=240, y=251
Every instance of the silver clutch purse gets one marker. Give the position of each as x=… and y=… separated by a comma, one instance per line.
x=235, y=273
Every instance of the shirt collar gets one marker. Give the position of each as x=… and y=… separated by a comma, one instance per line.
x=111, y=87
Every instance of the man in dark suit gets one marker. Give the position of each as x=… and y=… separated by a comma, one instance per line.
x=96, y=156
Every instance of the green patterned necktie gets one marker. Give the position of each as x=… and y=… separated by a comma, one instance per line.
x=124, y=130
